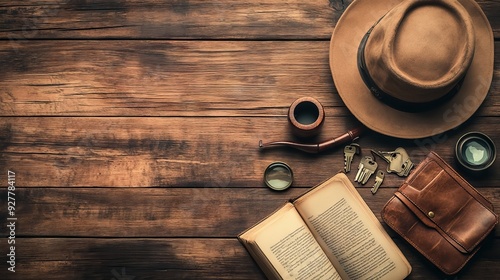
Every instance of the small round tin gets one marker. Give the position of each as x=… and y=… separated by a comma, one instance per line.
x=278, y=176
x=475, y=151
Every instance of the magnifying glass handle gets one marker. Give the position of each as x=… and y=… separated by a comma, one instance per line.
x=347, y=137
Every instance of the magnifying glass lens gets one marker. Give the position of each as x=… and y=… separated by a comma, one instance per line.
x=476, y=152
x=278, y=176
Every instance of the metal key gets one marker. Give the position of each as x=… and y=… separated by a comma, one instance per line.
x=360, y=170
x=407, y=163
x=349, y=152
x=370, y=167
x=379, y=178
x=366, y=168
x=401, y=163
x=382, y=155
x=357, y=146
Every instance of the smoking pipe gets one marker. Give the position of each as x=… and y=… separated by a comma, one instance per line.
x=347, y=137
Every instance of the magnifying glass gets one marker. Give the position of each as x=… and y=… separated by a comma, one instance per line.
x=475, y=151
x=278, y=176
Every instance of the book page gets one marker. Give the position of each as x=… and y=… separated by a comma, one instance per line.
x=287, y=243
x=349, y=232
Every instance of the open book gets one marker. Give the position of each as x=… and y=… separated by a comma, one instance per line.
x=327, y=233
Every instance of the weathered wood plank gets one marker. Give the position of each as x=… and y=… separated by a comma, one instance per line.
x=198, y=19
x=171, y=78
x=161, y=78
x=91, y=258
x=160, y=212
x=179, y=258
x=191, y=152
x=82, y=119
x=168, y=19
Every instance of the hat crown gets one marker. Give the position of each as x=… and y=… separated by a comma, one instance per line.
x=420, y=50
x=390, y=116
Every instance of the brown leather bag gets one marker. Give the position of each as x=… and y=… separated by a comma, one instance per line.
x=440, y=214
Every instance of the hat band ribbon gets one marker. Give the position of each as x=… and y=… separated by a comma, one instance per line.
x=396, y=103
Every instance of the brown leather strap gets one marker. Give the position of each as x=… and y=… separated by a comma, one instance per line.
x=428, y=221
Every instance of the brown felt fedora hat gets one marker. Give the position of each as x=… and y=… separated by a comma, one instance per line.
x=412, y=68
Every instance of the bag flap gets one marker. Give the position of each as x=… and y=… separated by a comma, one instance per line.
x=428, y=241
x=443, y=200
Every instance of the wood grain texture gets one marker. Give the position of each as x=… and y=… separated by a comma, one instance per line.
x=183, y=258
x=169, y=19
x=180, y=19
x=160, y=212
x=172, y=78
x=133, y=129
x=193, y=152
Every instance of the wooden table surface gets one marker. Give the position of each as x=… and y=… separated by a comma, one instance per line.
x=133, y=127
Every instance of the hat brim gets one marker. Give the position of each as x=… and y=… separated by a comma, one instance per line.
x=374, y=114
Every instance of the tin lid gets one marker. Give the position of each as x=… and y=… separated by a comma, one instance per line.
x=278, y=176
x=475, y=151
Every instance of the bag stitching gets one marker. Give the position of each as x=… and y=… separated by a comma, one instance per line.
x=431, y=159
x=426, y=161
x=470, y=255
